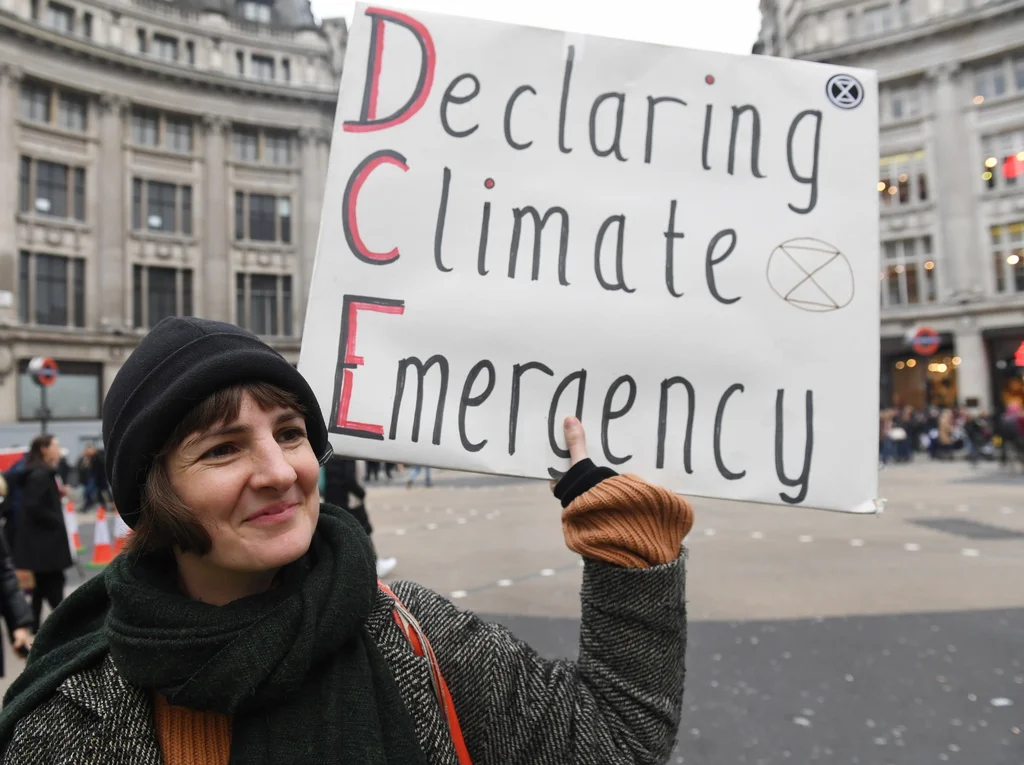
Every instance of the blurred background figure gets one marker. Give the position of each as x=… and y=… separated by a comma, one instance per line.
x=340, y=487
x=416, y=471
x=41, y=540
x=87, y=478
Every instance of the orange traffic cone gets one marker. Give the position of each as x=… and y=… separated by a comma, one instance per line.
x=121, y=532
x=102, y=552
x=71, y=522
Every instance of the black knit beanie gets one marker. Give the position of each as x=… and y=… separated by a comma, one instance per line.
x=175, y=367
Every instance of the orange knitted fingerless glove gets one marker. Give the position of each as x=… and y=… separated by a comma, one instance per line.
x=627, y=522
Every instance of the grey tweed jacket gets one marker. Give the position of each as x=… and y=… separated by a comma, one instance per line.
x=619, y=703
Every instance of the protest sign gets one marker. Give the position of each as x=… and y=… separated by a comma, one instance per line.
x=680, y=247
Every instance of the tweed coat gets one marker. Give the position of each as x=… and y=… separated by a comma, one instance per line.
x=619, y=703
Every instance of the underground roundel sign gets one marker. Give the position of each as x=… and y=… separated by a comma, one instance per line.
x=926, y=341
x=43, y=370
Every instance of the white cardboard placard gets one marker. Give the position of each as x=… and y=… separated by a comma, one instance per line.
x=707, y=267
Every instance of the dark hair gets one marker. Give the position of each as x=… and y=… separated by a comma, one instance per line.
x=35, y=451
x=165, y=521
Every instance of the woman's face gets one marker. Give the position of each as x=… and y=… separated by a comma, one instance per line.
x=254, y=484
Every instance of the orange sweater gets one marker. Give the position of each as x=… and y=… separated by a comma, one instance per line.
x=188, y=737
x=623, y=520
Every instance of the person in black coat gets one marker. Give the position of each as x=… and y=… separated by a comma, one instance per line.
x=340, y=482
x=41, y=544
x=15, y=608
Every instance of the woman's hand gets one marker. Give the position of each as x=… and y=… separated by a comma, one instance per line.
x=575, y=439
x=21, y=641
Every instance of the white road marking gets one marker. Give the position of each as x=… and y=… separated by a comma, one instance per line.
x=912, y=547
x=459, y=594
x=970, y=552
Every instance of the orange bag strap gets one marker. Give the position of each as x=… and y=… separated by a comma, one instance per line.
x=421, y=647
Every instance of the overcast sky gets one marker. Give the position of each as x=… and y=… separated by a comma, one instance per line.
x=729, y=26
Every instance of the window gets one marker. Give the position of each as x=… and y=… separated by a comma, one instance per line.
x=1008, y=256
x=87, y=25
x=34, y=9
x=37, y=104
x=35, y=101
x=906, y=13
x=60, y=17
x=25, y=185
x=158, y=206
x=264, y=303
x=145, y=127
x=51, y=189
x=165, y=47
x=186, y=210
x=76, y=395
x=277, y=148
x=908, y=272
x=143, y=44
x=1018, y=74
x=263, y=218
x=159, y=293
x=286, y=70
x=246, y=144
x=79, y=195
x=903, y=179
x=989, y=82
x=876, y=20
x=268, y=146
x=190, y=53
x=170, y=132
x=262, y=67
x=252, y=10
x=1003, y=163
x=51, y=290
x=904, y=103
x=178, y=135
x=240, y=62
x=71, y=110
x=43, y=188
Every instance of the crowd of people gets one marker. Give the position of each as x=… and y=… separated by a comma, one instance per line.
x=946, y=433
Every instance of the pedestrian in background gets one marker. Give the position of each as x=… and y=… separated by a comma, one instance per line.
x=12, y=501
x=16, y=611
x=341, y=488
x=416, y=471
x=41, y=543
x=245, y=623
x=87, y=478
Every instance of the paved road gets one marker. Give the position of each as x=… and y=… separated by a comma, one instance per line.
x=815, y=637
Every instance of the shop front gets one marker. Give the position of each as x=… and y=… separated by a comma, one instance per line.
x=1006, y=354
x=920, y=373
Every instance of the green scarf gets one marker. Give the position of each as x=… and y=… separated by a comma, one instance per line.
x=294, y=666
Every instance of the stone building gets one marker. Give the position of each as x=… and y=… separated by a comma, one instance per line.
x=951, y=181
x=162, y=157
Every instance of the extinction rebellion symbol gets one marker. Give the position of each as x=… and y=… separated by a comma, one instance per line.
x=845, y=91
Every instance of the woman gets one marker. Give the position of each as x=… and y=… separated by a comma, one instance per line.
x=246, y=621
x=41, y=543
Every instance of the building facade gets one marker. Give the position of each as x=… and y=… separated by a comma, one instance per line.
x=160, y=157
x=951, y=182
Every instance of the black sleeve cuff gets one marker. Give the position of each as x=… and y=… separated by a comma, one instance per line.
x=581, y=478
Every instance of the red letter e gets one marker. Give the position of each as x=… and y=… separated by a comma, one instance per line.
x=348, y=361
